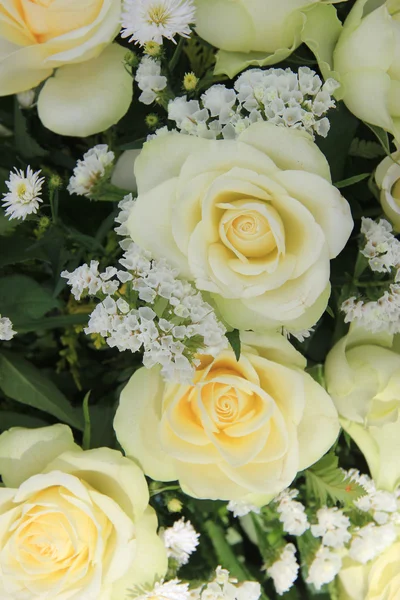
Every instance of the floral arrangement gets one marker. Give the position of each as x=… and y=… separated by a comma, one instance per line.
x=200, y=300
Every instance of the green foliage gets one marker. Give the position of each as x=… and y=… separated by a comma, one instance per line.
x=366, y=149
x=22, y=382
x=325, y=480
x=21, y=297
x=234, y=340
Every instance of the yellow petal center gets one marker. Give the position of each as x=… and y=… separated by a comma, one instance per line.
x=249, y=232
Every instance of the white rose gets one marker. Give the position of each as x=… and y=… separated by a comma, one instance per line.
x=74, y=525
x=387, y=177
x=253, y=222
x=363, y=378
x=74, y=37
x=367, y=59
x=241, y=431
x=264, y=32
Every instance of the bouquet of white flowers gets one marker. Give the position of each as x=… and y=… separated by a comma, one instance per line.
x=199, y=300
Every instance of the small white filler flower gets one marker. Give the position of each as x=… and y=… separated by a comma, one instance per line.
x=6, y=329
x=180, y=540
x=90, y=169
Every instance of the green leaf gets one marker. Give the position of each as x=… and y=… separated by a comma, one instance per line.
x=382, y=136
x=135, y=145
x=14, y=249
x=87, y=426
x=52, y=322
x=24, y=383
x=10, y=418
x=22, y=298
x=234, y=340
x=201, y=55
x=351, y=180
x=325, y=480
x=366, y=149
x=24, y=142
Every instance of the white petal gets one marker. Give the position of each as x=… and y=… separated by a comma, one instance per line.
x=81, y=99
x=26, y=452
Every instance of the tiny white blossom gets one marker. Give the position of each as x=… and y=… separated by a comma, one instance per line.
x=24, y=193
x=125, y=206
x=284, y=571
x=240, y=508
x=180, y=540
x=152, y=20
x=149, y=79
x=169, y=590
x=90, y=169
x=84, y=278
x=26, y=99
x=6, y=329
x=291, y=513
x=218, y=99
x=332, y=526
x=324, y=568
x=371, y=540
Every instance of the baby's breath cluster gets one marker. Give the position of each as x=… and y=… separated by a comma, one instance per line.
x=382, y=249
x=6, y=329
x=225, y=587
x=279, y=96
x=149, y=79
x=180, y=540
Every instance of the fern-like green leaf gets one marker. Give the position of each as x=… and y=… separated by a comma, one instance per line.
x=366, y=149
x=325, y=480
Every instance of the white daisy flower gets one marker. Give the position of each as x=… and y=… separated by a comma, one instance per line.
x=24, y=193
x=151, y=20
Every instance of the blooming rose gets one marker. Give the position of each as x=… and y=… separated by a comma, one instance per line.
x=376, y=580
x=243, y=427
x=253, y=221
x=387, y=177
x=38, y=36
x=264, y=32
x=363, y=378
x=367, y=59
x=73, y=524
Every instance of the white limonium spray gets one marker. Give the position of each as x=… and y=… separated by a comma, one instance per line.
x=241, y=508
x=382, y=505
x=152, y=20
x=149, y=79
x=95, y=165
x=332, y=527
x=283, y=97
x=180, y=540
x=284, y=571
x=371, y=540
x=324, y=568
x=24, y=193
x=125, y=206
x=6, y=329
x=292, y=513
x=168, y=590
x=147, y=307
x=382, y=249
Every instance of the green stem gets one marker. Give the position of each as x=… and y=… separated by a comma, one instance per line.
x=367, y=284
x=176, y=55
x=168, y=488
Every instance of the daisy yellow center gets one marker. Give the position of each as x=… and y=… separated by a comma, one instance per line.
x=21, y=189
x=158, y=15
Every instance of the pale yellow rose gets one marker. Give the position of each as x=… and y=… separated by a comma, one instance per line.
x=363, y=378
x=376, y=580
x=367, y=59
x=253, y=221
x=38, y=36
x=387, y=177
x=265, y=32
x=243, y=427
x=74, y=524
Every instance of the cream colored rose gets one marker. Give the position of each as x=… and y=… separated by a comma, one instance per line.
x=38, y=36
x=243, y=427
x=377, y=580
x=367, y=59
x=387, y=177
x=253, y=222
x=73, y=524
x=363, y=378
x=264, y=32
